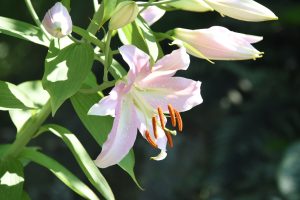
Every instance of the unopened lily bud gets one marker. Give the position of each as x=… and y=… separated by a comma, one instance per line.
x=218, y=43
x=125, y=13
x=246, y=10
x=57, y=21
x=191, y=5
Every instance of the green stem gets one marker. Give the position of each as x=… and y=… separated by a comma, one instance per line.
x=101, y=87
x=155, y=3
x=107, y=54
x=35, y=17
x=88, y=36
x=28, y=131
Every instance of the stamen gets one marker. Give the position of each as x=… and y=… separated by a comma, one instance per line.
x=169, y=138
x=172, y=115
x=151, y=142
x=161, y=117
x=179, y=120
x=154, y=127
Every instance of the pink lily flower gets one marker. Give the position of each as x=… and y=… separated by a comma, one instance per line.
x=218, y=43
x=139, y=101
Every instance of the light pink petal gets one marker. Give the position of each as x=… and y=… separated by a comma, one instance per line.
x=249, y=38
x=152, y=14
x=122, y=136
x=234, y=35
x=107, y=105
x=183, y=94
x=137, y=60
x=247, y=10
x=169, y=64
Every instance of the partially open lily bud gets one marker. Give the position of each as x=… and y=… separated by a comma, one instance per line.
x=57, y=21
x=218, y=43
x=192, y=5
x=246, y=10
x=125, y=13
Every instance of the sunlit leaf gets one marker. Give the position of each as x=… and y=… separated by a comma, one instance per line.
x=23, y=31
x=34, y=91
x=65, y=71
x=12, y=98
x=11, y=179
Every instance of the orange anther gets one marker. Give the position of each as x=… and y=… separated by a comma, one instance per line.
x=179, y=120
x=172, y=115
x=169, y=138
x=149, y=139
x=161, y=117
x=154, y=127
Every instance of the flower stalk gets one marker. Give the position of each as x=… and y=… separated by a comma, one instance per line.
x=107, y=54
x=35, y=17
x=28, y=131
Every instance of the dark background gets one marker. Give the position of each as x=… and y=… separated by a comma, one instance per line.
x=240, y=144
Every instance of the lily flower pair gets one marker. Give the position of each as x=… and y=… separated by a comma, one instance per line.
x=143, y=101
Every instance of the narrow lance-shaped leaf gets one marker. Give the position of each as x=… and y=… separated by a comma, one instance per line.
x=65, y=71
x=11, y=179
x=12, y=98
x=60, y=172
x=83, y=159
x=23, y=31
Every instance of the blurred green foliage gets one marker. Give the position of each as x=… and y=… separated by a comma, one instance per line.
x=234, y=144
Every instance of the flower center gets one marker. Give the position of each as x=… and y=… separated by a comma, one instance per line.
x=176, y=121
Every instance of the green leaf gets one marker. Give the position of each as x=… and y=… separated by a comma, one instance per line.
x=116, y=70
x=3, y=148
x=36, y=94
x=139, y=34
x=108, y=8
x=154, y=48
x=11, y=179
x=25, y=196
x=83, y=159
x=60, y=172
x=99, y=127
x=23, y=31
x=65, y=71
x=12, y=98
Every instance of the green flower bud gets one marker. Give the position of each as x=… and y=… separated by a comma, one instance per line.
x=125, y=13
